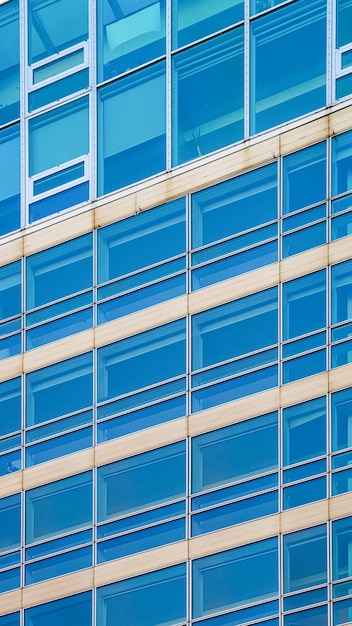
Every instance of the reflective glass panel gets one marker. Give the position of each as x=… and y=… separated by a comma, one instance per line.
x=341, y=288
x=132, y=128
x=304, y=302
x=304, y=431
x=283, y=40
x=342, y=548
x=10, y=406
x=343, y=22
x=341, y=163
x=304, y=178
x=69, y=611
x=10, y=522
x=196, y=19
x=9, y=64
x=305, y=558
x=10, y=174
x=341, y=409
x=10, y=620
x=10, y=290
x=208, y=96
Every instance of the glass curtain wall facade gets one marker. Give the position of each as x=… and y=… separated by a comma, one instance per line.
x=176, y=312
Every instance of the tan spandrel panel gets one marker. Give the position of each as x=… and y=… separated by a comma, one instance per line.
x=141, y=563
x=232, y=537
x=11, y=251
x=340, y=250
x=61, y=587
x=340, y=506
x=304, y=516
x=233, y=412
x=10, y=602
x=234, y=288
x=10, y=484
x=142, y=441
x=340, y=121
x=58, y=350
x=304, y=263
x=142, y=320
x=60, y=232
x=340, y=377
x=12, y=367
x=304, y=135
x=63, y=467
x=115, y=210
x=304, y=389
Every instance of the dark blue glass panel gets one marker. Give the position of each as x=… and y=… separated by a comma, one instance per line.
x=10, y=327
x=319, y=615
x=10, y=290
x=192, y=22
x=343, y=612
x=342, y=482
x=341, y=354
x=341, y=163
x=58, y=565
x=10, y=210
x=58, y=89
x=10, y=346
x=10, y=522
x=235, y=367
x=10, y=64
x=141, y=540
x=10, y=443
x=341, y=226
x=60, y=328
x=341, y=411
x=140, y=419
x=10, y=620
x=10, y=406
x=305, y=559
x=303, y=493
x=342, y=589
x=304, y=239
x=283, y=40
x=69, y=611
x=154, y=599
x=59, y=446
x=10, y=579
x=304, y=302
x=235, y=265
x=305, y=599
x=132, y=128
x=62, y=177
x=58, y=202
x=304, y=366
x=235, y=513
x=141, y=299
x=234, y=389
x=304, y=180
x=10, y=463
x=206, y=119
x=8, y=560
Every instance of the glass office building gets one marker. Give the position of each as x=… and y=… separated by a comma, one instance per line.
x=175, y=312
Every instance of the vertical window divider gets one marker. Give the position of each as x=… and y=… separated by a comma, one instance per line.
x=246, y=105
x=168, y=87
x=23, y=9
x=330, y=54
x=93, y=127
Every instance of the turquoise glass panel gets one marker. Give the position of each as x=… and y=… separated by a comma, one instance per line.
x=346, y=58
x=10, y=522
x=60, y=178
x=132, y=128
x=10, y=62
x=341, y=292
x=304, y=431
x=59, y=389
x=69, y=611
x=10, y=406
x=59, y=89
x=10, y=174
x=192, y=21
x=341, y=411
x=342, y=548
x=10, y=290
x=59, y=271
x=343, y=22
x=134, y=363
x=304, y=178
x=142, y=481
x=129, y=34
x=49, y=30
x=59, y=202
x=341, y=163
x=208, y=118
x=59, y=135
x=155, y=599
x=283, y=40
x=59, y=507
x=63, y=64
x=305, y=558
x=225, y=580
x=304, y=305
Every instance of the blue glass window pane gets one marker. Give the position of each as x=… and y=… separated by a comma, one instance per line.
x=145, y=239
x=10, y=406
x=58, y=426
x=59, y=446
x=59, y=389
x=304, y=431
x=343, y=612
x=302, y=218
x=243, y=615
x=342, y=482
x=60, y=65
x=62, y=177
x=343, y=86
x=56, y=545
x=142, y=481
x=341, y=292
x=60, y=328
x=129, y=34
x=10, y=346
x=304, y=239
x=305, y=558
x=341, y=354
x=137, y=520
x=193, y=21
x=222, y=456
x=10, y=64
x=69, y=611
x=59, y=507
x=132, y=128
x=59, y=89
x=58, y=565
x=58, y=202
x=341, y=226
x=10, y=620
x=341, y=163
x=235, y=491
x=319, y=615
x=59, y=271
x=10, y=463
x=227, y=331
x=304, y=301
x=10, y=522
x=225, y=580
x=50, y=32
x=341, y=411
x=342, y=548
x=10, y=579
x=343, y=20
x=10, y=170
x=206, y=119
x=59, y=308
x=134, y=363
x=305, y=599
x=304, y=178
x=304, y=366
x=58, y=136
x=155, y=599
x=305, y=492
x=283, y=40
x=10, y=290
